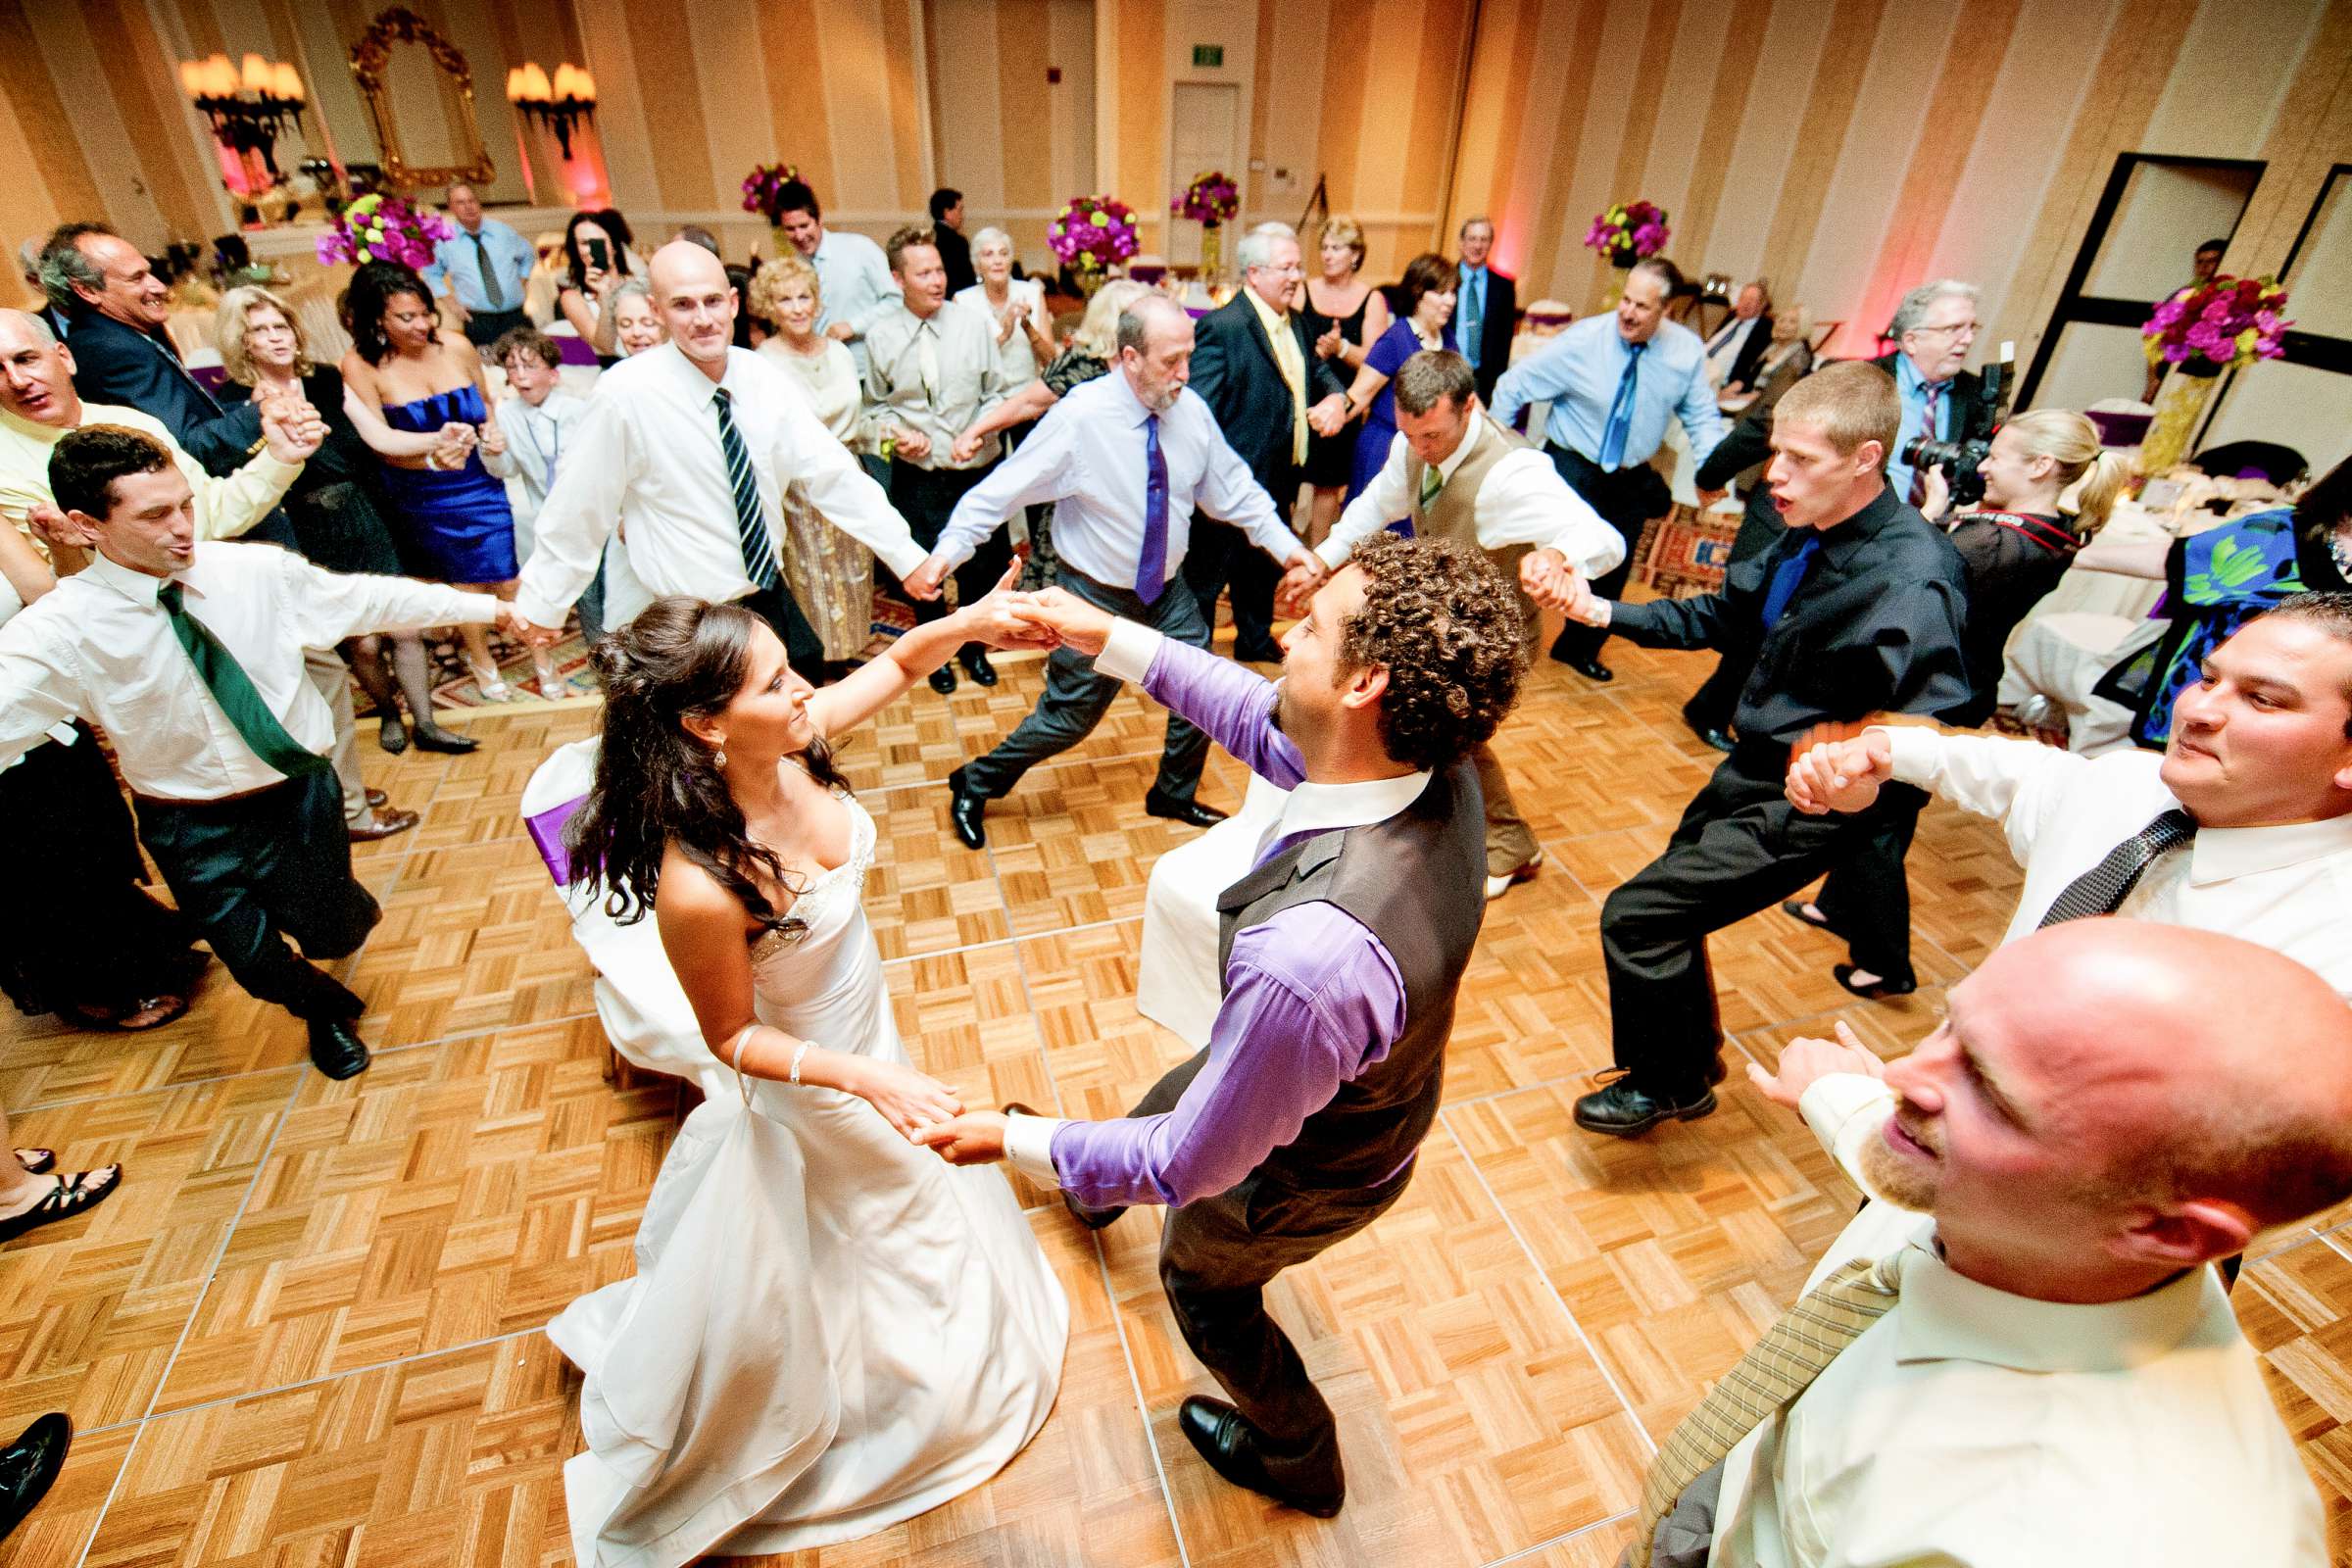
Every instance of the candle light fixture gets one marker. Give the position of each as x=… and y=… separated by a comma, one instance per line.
x=250, y=105
x=559, y=105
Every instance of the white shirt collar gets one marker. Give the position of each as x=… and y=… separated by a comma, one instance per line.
x=2221, y=853
x=1320, y=808
x=1469, y=444
x=136, y=586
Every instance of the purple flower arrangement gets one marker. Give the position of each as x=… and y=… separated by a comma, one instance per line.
x=383, y=228
x=764, y=190
x=2218, y=325
x=1210, y=200
x=1629, y=231
x=1092, y=232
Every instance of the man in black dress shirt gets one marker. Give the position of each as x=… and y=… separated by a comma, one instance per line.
x=1857, y=610
x=954, y=251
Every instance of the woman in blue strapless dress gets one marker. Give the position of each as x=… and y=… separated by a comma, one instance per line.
x=455, y=524
x=1425, y=323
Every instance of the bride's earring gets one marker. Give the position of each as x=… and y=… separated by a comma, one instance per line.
x=718, y=758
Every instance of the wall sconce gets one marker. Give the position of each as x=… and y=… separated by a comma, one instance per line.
x=559, y=105
x=250, y=107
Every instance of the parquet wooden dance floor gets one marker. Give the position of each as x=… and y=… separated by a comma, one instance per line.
x=307, y=1333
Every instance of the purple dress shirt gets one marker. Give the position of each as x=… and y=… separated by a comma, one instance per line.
x=1312, y=998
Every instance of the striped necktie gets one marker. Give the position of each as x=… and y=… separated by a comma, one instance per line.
x=751, y=529
x=1776, y=1368
x=1929, y=411
x=234, y=691
x=2102, y=888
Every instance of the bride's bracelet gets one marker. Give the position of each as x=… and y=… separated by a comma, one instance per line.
x=797, y=1052
x=745, y=1033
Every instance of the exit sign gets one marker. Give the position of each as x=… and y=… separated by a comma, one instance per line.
x=1208, y=57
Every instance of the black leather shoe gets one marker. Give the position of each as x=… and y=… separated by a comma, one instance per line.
x=1590, y=669
x=1623, y=1108
x=943, y=680
x=433, y=738
x=966, y=809
x=1190, y=812
x=1094, y=1219
x=336, y=1048
x=977, y=667
x=1714, y=735
x=1224, y=1436
x=30, y=1464
x=1259, y=653
x=1876, y=990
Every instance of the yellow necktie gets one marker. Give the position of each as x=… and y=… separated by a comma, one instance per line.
x=1776, y=1368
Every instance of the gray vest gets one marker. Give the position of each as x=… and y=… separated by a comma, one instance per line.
x=1453, y=515
x=1417, y=882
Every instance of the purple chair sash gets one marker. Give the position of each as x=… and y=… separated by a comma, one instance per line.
x=547, y=832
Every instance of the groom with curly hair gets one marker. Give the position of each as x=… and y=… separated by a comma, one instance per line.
x=1342, y=952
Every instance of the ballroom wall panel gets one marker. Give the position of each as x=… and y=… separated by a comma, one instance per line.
x=1843, y=148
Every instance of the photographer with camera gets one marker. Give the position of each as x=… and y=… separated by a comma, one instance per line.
x=1934, y=327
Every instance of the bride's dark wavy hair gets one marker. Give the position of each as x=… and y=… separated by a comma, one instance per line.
x=656, y=783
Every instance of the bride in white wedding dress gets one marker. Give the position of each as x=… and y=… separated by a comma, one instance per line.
x=830, y=1329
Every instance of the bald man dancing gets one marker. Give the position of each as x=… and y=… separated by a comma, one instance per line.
x=688, y=448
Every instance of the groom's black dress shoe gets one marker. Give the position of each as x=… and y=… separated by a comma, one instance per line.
x=966, y=809
x=1623, y=1108
x=943, y=680
x=29, y=1465
x=336, y=1048
x=977, y=667
x=1191, y=813
x=1225, y=1438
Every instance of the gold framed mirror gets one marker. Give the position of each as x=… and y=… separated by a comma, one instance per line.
x=407, y=70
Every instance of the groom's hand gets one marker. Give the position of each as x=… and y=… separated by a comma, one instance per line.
x=1078, y=623
x=972, y=1139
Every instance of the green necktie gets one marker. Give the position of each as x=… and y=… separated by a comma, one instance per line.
x=1432, y=481
x=491, y=290
x=232, y=689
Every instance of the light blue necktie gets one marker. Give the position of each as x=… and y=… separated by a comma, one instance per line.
x=1474, y=312
x=1621, y=411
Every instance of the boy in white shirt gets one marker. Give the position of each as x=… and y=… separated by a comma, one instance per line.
x=538, y=417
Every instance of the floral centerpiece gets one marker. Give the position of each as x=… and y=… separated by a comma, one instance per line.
x=383, y=228
x=1092, y=232
x=764, y=190
x=2220, y=325
x=1628, y=231
x=1210, y=200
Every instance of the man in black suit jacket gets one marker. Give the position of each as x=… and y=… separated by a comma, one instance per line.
x=1485, y=310
x=1736, y=347
x=118, y=306
x=1266, y=415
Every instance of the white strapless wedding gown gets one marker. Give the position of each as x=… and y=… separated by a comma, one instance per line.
x=830, y=1329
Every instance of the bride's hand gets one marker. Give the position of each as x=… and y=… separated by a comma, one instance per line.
x=973, y=1140
x=907, y=1099
x=1007, y=617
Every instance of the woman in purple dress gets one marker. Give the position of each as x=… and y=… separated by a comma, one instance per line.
x=1424, y=322
x=456, y=525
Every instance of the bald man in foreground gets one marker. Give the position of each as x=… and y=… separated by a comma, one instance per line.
x=688, y=448
x=2016, y=1354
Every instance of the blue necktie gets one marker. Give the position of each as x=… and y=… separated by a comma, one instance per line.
x=1152, y=561
x=751, y=529
x=1620, y=412
x=1473, y=313
x=1785, y=580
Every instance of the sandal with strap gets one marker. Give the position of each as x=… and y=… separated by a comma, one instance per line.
x=37, y=1161
x=73, y=1194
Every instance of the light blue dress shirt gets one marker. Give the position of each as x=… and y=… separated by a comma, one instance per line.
x=456, y=265
x=1087, y=457
x=1914, y=389
x=854, y=284
x=1579, y=371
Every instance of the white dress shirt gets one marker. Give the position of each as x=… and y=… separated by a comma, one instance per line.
x=648, y=458
x=1523, y=501
x=1016, y=356
x=854, y=285
x=225, y=506
x=1977, y=1429
x=1723, y=349
x=99, y=647
x=2286, y=888
x=935, y=374
x=537, y=439
x=1087, y=456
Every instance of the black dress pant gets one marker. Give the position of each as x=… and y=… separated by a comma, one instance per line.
x=245, y=870
x=77, y=932
x=1739, y=848
x=1717, y=696
x=484, y=329
x=1217, y=1256
x=1077, y=695
x=1221, y=554
x=1626, y=499
x=803, y=650
x=926, y=498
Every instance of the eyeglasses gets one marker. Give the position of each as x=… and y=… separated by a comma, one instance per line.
x=1955, y=329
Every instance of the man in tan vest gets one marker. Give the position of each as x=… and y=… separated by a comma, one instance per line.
x=1454, y=473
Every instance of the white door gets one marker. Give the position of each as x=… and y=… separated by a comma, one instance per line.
x=1204, y=134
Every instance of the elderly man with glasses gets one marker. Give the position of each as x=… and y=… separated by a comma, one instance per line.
x=1933, y=328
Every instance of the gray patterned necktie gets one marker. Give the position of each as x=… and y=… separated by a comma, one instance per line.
x=2104, y=887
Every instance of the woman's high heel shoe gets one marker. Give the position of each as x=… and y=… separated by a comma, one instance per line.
x=391, y=734
x=488, y=683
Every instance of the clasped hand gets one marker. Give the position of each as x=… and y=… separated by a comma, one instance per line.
x=1839, y=775
x=1553, y=583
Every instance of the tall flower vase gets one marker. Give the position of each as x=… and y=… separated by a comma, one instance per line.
x=2179, y=408
x=1090, y=281
x=1621, y=266
x=1212, y=252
